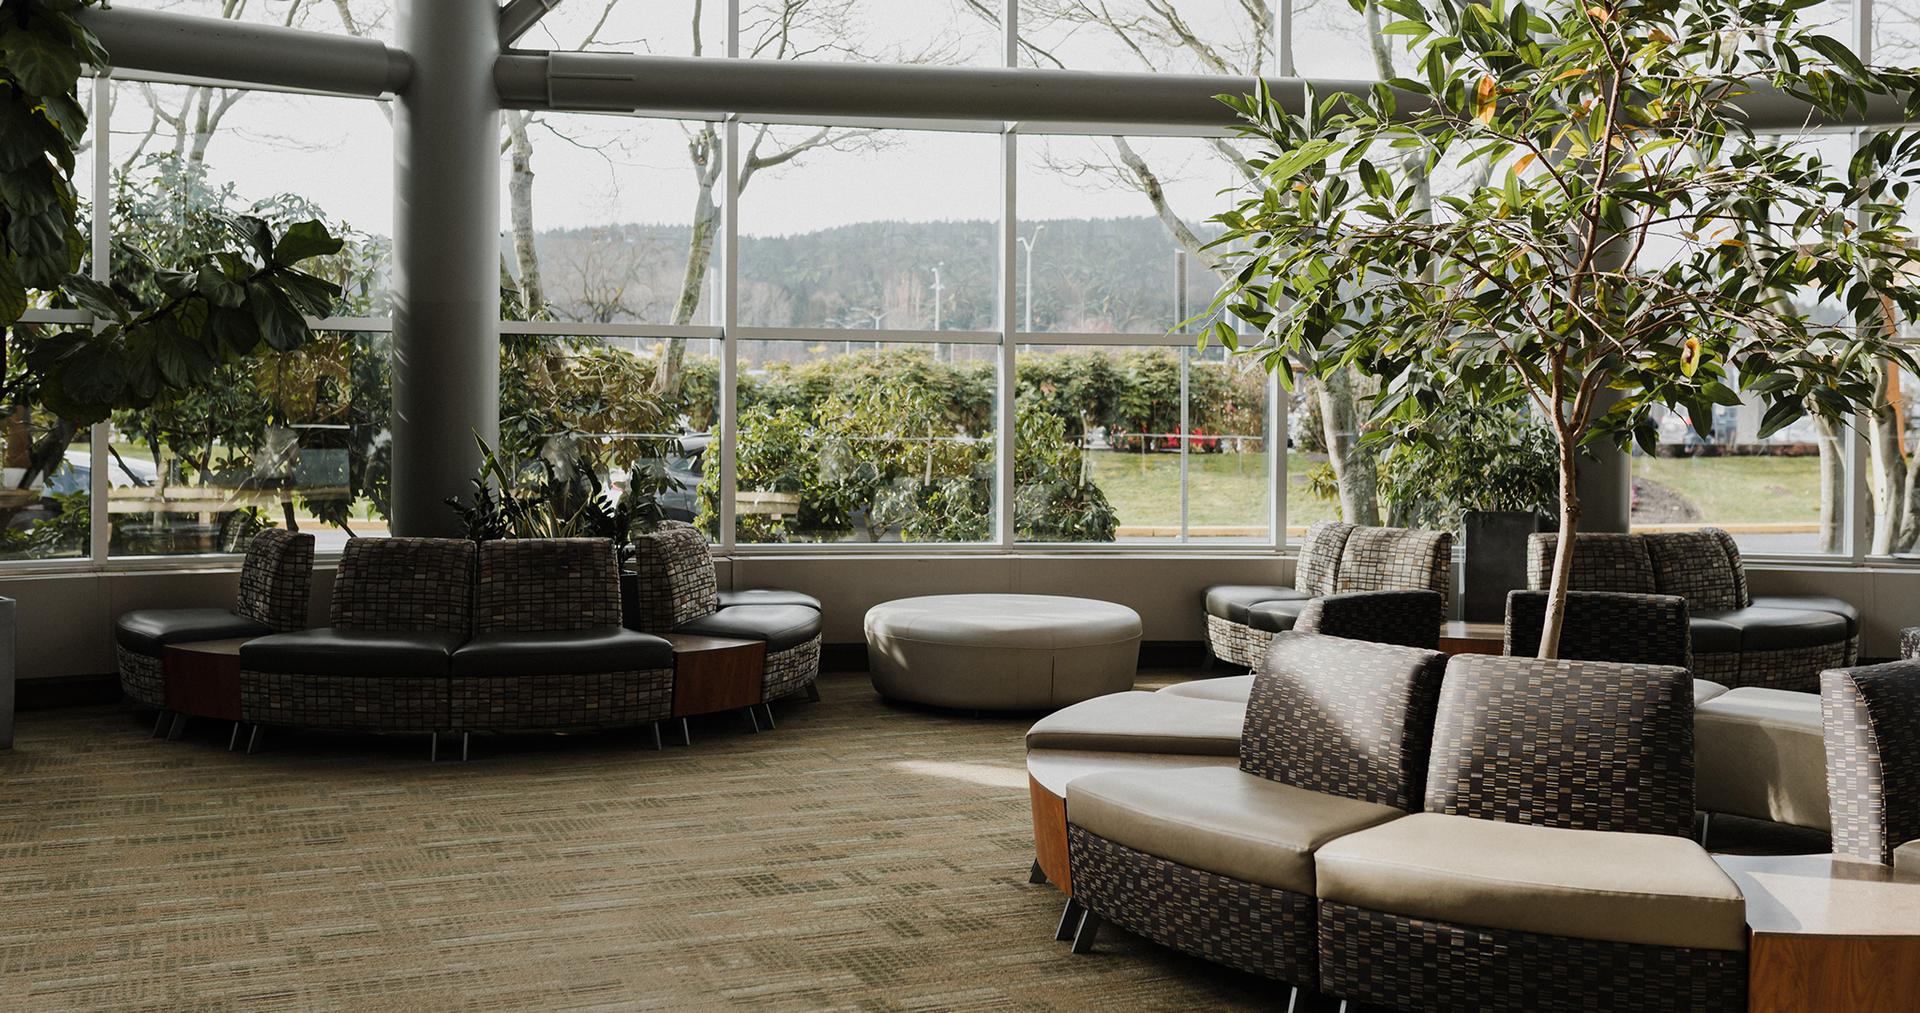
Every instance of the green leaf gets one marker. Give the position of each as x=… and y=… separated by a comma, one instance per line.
x=42, y=63
x=305, y=239
x=182, y=361
x=218, y=289
x=233, y=328
x=281, y=326
x=94, y=297
x=94, y=375
x=13, y=292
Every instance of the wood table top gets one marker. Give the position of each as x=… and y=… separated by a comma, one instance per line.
x=1814, y=895
x=695, y=643
x=230, y=646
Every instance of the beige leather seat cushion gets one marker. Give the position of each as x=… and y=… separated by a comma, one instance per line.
x=1001, y=651
x=1706, y=689
x=1580, y=884
x=1232, y=688
x=1221, y=820
x=1761, y=753
x=1906, y=859
x=1141, y=722
x=1238, y=688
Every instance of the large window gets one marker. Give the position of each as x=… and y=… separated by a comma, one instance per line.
x=896, y=320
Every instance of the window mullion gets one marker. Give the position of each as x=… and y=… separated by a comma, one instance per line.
x=99, y=519
x=1005, y=435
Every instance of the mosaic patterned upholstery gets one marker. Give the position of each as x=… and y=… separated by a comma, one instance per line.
x=792, y=670
x=1235, y=643
x=1742, y=596
x=547, y=584
x=561, y=702
x=1872, y=719
x=1397, y=559
x=1407, y=618
x=370, y=703
x=1343, y=717
x=1794, y=668
x=276, y=580
x=1643, y=629
x=1214, y=917
x=1910, y=643
x=141, y=678
x=1320, y=552
x=409, y=584
x=1422, y=964
x=1695, y=566
x=1504, y=748
x=676, y=580
x=1602, y=561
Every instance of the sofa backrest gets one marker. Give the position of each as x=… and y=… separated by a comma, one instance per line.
x=675, y=582
x=1406, y=618
x=1872, y=719
x=404, y=584
x=276, y=580
x=1586, y=745
x=1336, y=558
x=1642, y=629
x=1343, y=717
x=1602, y=561
x=1319, y=565
x=547, y=584
x=1701, y=566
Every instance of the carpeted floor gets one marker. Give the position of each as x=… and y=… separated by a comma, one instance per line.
x=861, y=857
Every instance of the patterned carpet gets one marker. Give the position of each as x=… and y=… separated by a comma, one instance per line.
x=861, y=857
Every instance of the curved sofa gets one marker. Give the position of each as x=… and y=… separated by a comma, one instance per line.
x=1738, y=638
x=276, y=587
x=1334, y=559
x=1399, y=838
x=677, y=593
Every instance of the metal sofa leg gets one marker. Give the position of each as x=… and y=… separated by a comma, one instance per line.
x=159, y=724
x=1034, y=875
x=813, y=692
x=753, y=716
x=656, y=736
x=178, y=729
x=253, y=739
x=1069, y=920
x=433, y=746
x=1706, y=825
x=686, y=733
x=767, y=709
x=1089, y=928
x=233, y=740
x=465, y=739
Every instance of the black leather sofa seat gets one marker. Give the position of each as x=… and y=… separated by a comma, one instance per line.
x=1722, y=631
x=1276, y=616
x=148, y=630
x=1232, y=602
x=781, y=626
x=511, y=655
x=769, y=596
x=358, y=653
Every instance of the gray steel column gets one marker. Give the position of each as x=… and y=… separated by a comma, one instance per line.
x=1605, y=483
x=446, y=279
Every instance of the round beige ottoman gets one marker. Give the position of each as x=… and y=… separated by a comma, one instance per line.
x=1001, y=651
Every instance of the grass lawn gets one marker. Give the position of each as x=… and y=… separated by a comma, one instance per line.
x=1737, y=490
x=1231, y=489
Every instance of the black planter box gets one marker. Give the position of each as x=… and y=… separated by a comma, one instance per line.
x=1496, y=542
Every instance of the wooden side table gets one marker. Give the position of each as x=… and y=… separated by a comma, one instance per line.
x=1458, y=637
x=203, y=680
x=714, y=674
x=1832, y=937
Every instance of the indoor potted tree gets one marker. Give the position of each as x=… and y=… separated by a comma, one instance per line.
x=1616, y=238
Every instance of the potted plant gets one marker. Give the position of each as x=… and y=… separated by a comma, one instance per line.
x=1487, y=473
x=1565, y=207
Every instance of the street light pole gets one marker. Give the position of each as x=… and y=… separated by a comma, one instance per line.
x=1026, y=243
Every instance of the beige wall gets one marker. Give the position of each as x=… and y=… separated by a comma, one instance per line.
x=66, y=620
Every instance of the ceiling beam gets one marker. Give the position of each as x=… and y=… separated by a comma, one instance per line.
x=246, y=53
x=517, y=18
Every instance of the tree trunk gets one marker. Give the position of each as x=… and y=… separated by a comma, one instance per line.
x=1833, y=487
x=533, y=296
x=1887, y=469
x=1563, y=549
x=705, y=152
x=1353, y=469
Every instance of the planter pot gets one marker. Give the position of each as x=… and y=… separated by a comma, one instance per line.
x=630, y=599
x=6, y=673
x=1496, y=543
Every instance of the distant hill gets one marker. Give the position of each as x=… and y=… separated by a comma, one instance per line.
x=1103, y=275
